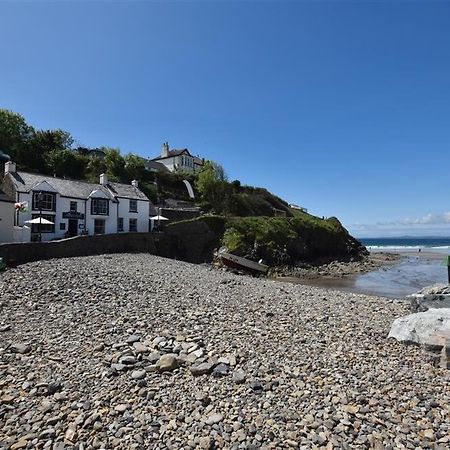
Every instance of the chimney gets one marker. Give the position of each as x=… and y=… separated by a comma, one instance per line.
x=165, y=150
x=103, y=179
x=10, y=167
x=135, y=183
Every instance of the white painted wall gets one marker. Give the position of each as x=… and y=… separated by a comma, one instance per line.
x=116, y=210
x=142, y=215
x=6, y=221
x=176, y=163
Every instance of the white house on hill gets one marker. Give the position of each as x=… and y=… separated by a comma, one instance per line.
x=176, y=160
x=76, y=207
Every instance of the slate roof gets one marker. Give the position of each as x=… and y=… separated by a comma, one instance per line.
x=5, y=198
x=173, y=153
x=156, y=166
x=24, y=182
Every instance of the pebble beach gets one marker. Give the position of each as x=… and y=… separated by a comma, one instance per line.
x=133, y=351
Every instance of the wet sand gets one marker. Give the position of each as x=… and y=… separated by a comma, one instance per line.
x=395, y=277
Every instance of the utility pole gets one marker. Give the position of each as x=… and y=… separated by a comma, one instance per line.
x=39, y=199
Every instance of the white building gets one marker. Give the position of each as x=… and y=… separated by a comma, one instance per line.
x=6, y=218
x=177, y=160
x=76, y=207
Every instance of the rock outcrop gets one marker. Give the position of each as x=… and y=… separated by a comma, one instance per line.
x=431, y=297
x=430, y=328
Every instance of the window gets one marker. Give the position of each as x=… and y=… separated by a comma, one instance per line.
x=133, y=206
x=62, y=226
x=43, y=228
x=73, y=206
x=133, y=225
x=99, y=207
x=99, y=226
x=44, y=200
x=120, y=224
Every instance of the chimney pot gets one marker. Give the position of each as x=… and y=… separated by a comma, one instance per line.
x=135, y=183
x=10, y=167
x=103, y=179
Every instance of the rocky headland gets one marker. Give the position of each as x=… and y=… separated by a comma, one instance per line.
x=133, y=351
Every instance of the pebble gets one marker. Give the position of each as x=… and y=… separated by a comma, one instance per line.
x=201, y=369
x=138, y=374
x=20, y=348
x=288, y=380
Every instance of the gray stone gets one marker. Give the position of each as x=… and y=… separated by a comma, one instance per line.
x=138, y=374
x=239, y=376
x=167, y=363
x=128, y=360
x=424, y=328
x=201, y=369
x=214, y=418
x=424, y=302
x=132, y=339
x=20, y=348
x=139, y=347
x=221, y=370
x=154, y=357
x=119, y=367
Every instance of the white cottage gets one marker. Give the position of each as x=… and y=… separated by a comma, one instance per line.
x=76, y=207
x=6, y=218
x=176, y=160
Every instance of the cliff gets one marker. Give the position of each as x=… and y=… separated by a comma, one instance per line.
x=276, y=240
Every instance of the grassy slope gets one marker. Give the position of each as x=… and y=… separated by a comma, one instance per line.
x=277, y=240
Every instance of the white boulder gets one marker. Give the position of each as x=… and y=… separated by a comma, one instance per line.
x=430, y=328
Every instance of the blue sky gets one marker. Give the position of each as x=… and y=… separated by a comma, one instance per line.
x=341, y=107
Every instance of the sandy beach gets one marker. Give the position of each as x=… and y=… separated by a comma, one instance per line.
x=138, y=352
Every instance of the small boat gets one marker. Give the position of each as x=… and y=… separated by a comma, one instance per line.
x=238, y=262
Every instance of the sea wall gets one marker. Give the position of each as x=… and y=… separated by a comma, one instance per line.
x=154, y=243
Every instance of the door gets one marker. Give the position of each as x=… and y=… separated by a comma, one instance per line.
x=73, y=227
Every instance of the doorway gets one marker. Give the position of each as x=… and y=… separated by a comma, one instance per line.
x=73, y=227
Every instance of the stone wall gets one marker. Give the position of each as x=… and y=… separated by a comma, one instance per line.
x=154, y=243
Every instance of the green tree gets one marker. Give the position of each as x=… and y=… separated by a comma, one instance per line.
x=212, y=187
x=94, y=168
x=134, y=167
x=66, y=163
x=41, y=145
x=15, y=134
x=115, y=164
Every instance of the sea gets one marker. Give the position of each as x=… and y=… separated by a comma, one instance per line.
x=421, y=264
x=405, y=244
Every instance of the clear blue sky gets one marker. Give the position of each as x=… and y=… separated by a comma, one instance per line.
x=341, y=107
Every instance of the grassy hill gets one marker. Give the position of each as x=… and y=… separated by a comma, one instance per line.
x=276, y=240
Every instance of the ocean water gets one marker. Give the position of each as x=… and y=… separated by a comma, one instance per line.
x=405, y=244
x=422, y=264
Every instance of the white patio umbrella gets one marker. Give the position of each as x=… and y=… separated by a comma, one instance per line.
x=40, y=220
x=159, y=218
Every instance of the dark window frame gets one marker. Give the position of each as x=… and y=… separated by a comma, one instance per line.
x=104, y=226
x=71, y=206
x=38, y=207
x=134, y=221
x=133, y=210
x=119, y=224
x=95, y=201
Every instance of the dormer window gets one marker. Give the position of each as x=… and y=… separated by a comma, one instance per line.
x=99, y=207
x=45, y=201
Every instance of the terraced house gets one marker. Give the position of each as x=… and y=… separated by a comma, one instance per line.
x=75, y=207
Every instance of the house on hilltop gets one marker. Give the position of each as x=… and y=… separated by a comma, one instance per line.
x=176, y=160
x=75, y=207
